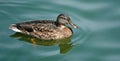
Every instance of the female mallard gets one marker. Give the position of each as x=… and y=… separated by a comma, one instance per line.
x=46, y=29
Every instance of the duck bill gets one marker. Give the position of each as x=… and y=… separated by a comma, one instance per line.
x=73, y=25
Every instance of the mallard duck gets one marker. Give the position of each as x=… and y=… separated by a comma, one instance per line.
x=46, y=29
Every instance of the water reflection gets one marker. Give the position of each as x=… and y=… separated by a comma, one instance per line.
x=64, y=44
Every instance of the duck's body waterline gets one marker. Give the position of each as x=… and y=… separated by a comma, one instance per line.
x=46, y=29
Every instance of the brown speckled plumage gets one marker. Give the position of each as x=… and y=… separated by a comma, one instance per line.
x=46, y=29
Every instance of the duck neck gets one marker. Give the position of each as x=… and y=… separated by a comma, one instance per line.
x=57, y=22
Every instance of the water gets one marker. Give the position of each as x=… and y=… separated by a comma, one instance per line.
x=96, y=39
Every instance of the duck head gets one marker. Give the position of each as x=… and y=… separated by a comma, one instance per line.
x=63, y=19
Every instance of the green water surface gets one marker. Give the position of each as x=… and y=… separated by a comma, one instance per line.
x=96, y=39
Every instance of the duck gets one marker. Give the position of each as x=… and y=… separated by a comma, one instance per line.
x=46, y=29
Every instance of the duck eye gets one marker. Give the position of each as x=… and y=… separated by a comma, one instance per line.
x=64, y=18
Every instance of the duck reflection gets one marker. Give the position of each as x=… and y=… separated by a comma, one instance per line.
x=64, y=44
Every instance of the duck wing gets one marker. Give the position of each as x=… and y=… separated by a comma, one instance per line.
x=37, y=26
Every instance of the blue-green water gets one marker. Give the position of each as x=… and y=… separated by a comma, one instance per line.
x=96, y=39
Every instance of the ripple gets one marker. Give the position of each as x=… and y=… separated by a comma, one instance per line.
x=84, y=5
x=7, y=14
